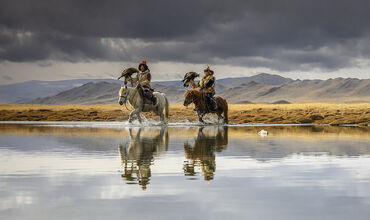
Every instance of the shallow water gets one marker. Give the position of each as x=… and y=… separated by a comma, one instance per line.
x=77, y=171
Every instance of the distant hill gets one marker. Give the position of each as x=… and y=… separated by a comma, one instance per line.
x=89, y=93
x=332, y=90
x=262, y=78
x=24, y=92
x=227, y=83
x=27, y=91
x=340, y=90
x=102, y=93
x=281, y=102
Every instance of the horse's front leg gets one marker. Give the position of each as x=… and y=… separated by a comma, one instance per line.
x=219, y=117
x=137, y=112
x=130, y=116
x=138, y=116
x=200, y=116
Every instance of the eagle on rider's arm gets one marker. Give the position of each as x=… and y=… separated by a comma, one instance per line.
x=189, y=77
x=128, y=72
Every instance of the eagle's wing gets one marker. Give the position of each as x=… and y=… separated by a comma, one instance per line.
x=190, y=76
x=128, y=72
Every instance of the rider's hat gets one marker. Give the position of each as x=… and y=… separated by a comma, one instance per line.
x=208, y=70
x=143, y=63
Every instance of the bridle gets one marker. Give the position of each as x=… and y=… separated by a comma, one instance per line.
x=196, y=98
x=192, y=99
x=125, y=98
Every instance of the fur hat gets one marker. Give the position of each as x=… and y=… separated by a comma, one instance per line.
x=143, y=63
x=208, y=70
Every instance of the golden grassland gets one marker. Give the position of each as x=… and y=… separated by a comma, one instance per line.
x=317, y=113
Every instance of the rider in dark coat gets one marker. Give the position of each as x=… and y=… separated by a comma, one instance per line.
x=207, y=85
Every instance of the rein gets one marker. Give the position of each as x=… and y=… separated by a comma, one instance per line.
x=125, y=99
x=193, y=99
x=200, y=100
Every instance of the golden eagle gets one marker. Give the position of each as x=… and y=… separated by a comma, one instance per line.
x=128, y=72
x=189, y=78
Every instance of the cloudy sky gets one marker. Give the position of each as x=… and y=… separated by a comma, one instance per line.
x=70, y=39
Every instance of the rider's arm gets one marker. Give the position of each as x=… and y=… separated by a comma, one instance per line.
x=146, y=79
x=195, y=85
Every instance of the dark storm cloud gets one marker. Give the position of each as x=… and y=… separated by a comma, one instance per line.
x=282, y=35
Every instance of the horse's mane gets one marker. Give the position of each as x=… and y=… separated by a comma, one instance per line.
x=123, y=88
x=192, y=91
x=196, y=93
x=120, y=91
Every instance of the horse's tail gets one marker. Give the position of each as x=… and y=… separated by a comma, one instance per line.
x=166, y=107
x=226, y=110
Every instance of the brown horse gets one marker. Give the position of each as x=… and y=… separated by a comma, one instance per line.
x=198, y=98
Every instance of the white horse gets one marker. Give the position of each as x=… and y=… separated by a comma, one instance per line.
x=132, y=95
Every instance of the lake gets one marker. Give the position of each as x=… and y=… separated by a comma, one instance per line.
x=111, y=171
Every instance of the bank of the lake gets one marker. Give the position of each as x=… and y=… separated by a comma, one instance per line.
x=318, y=113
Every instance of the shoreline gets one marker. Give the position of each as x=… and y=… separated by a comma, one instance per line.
x=136, y=124
x=280, y=114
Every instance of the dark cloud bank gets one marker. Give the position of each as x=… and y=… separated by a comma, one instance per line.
x=279, y=34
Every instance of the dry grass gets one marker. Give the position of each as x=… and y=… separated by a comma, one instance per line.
x=318, y=113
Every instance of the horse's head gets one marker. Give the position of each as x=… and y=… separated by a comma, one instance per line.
x=190, y=96
x=123, y=94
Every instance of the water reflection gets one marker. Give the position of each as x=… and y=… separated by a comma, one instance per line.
x=202, y=153
x=294, y=173
x=138, y=155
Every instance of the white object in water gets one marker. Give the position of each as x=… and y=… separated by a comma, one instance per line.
x=263, y=133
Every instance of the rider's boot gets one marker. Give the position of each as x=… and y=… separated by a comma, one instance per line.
x=211, y=104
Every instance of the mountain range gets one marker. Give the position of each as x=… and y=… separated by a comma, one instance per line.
x=20, y=93
x=261, y=88
x=104, y=92
x=339, y=90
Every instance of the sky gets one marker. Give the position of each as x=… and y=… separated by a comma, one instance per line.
x=72, y=39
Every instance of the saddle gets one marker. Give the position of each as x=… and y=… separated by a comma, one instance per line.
x=148, y=101
x=147, y=95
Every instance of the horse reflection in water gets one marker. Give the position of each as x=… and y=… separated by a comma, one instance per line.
x=138, y=156
x=202, y=153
